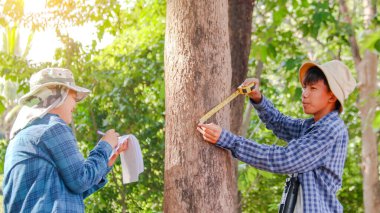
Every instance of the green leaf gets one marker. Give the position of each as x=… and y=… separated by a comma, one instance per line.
x=371, y=41
x=271, y=50
x=376, y=121
x=266, y=174
x=377, y=45
x=2, y=106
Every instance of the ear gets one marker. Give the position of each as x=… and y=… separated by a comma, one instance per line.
x=332, y=98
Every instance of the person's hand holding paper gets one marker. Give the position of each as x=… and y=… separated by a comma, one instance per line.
x=120, y=147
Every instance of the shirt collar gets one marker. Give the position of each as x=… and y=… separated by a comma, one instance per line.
x=327, y=118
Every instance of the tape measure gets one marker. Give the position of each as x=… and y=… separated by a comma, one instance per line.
x=240, y=90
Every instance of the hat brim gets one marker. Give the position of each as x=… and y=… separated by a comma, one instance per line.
x=306, y=66
x=81, y=91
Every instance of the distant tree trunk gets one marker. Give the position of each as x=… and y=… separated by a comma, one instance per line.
x=247, y=113
x=367, y=107
x=240, y=29
x=199, y=177
x=366, y=69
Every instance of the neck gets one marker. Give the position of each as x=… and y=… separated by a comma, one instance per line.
x=55, y=111
x=322, y=113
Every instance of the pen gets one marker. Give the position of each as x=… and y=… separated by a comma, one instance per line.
x=100, y=133
x=117, y=146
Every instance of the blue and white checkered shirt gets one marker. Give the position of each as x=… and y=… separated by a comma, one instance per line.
x=45, y=172
x=315, y=150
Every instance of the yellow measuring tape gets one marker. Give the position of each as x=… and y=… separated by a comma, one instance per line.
x=240, y=90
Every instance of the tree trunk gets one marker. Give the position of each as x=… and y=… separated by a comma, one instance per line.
x=240, y=29
x=367, y=74
x=367, y=106
x=199, y=177
x=366, y=69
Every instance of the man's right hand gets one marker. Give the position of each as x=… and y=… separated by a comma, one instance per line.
x=111, y=137
x=255, y=95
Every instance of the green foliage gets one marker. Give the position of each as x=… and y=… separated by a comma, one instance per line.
x=371, y=41
x=3, y=148
x=126, y=79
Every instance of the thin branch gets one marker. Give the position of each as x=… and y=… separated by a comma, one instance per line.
x=354, y=44
x=325, y=46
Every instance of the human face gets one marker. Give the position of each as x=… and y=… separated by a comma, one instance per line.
x=317, y=100
x=65, y=111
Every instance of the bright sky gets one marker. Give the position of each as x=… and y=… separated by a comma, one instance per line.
x=44, y=43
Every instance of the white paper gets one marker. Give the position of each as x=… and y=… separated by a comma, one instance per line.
x=132, y=163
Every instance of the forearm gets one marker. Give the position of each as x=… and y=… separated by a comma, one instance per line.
x=98, y=186
x=77, y=173
x=272, y=158
x=93, y=169
x=282, y=126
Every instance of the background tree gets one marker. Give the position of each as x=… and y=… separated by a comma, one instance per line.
x=198, y=176
x=240, y=30
x=366, y=67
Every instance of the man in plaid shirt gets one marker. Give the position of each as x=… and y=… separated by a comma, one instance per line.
x=316, y=148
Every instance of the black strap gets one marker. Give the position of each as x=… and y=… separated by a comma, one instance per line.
x=289, y=199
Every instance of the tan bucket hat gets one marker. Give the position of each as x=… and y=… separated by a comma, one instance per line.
x=52, y=77
x=338, y=77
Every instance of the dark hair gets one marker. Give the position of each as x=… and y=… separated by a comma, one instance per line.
x=313, y=75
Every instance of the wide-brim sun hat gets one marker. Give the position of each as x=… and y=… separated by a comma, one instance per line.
x=338, y=77
x=53, y=77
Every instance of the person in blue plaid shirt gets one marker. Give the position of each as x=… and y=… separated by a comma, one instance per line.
x=44, y=170
x=316, y=147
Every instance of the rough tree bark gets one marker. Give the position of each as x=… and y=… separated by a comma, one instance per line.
x=366, y=69
x=199, y=177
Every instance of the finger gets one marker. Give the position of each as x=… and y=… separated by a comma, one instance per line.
x=246, y=82
x=211, y=140
x=111, y=131
x=126, y=145
x=201, y=130
x=214, y=127
x=210, y=132
x=113, y=156
x=212, y=137
x=201, y=125
x=204, y=137
x=210, y=126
